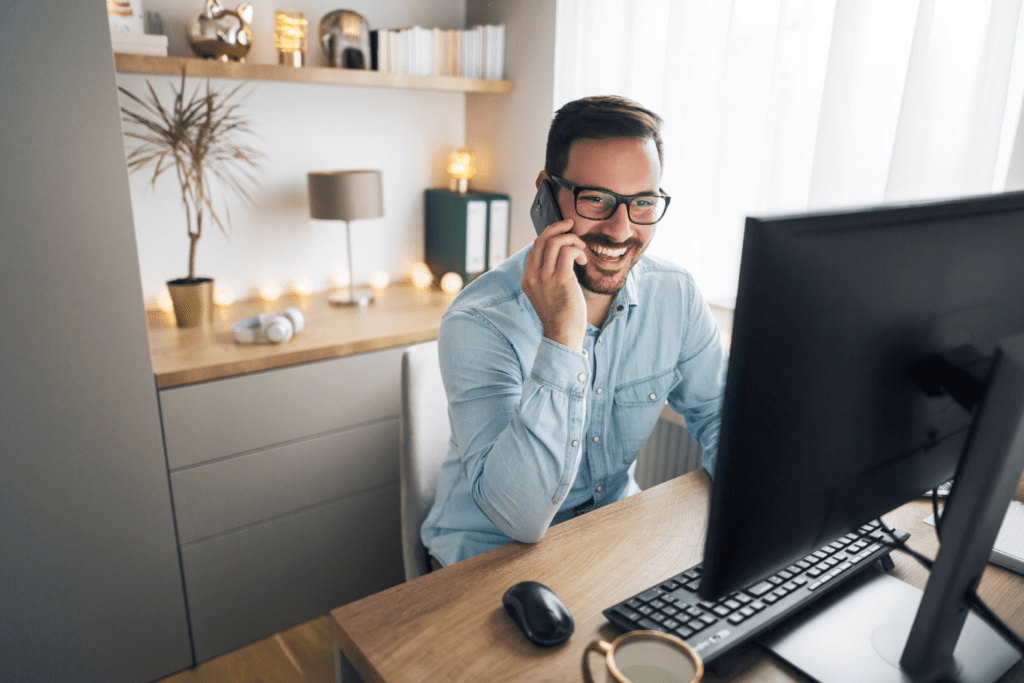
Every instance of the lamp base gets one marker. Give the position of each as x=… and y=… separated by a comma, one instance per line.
x=351, y=297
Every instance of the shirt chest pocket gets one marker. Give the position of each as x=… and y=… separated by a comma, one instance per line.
x=638, y=405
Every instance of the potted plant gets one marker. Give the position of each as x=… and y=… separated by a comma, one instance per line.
x=197, y=138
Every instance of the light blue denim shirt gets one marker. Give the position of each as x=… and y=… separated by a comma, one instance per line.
x=540, y=431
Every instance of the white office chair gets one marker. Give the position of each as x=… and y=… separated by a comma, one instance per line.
x=424, y=443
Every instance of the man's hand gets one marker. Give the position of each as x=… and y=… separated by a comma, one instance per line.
x=551, y=286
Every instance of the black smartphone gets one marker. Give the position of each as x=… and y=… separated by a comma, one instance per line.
x=544, y=210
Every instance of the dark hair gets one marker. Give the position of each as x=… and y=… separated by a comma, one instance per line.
x=598, y=118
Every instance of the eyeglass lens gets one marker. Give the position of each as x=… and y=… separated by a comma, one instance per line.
x=597, y=205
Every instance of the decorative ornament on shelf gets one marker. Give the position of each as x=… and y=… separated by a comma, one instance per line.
x=195, y=136
x=345, y=37
x=461, y=167
x=290, y=38
x=451, y=283
x=421, y=276
x=218, y=33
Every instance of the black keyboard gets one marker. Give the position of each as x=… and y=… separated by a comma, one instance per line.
x=715, y=628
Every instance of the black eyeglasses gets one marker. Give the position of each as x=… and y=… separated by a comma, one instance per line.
x=598, y=205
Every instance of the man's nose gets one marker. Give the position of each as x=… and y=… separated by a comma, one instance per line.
x=618, y=227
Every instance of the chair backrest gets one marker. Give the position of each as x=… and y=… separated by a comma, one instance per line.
x=425, y=433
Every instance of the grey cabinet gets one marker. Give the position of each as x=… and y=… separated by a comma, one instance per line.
x=285, y=489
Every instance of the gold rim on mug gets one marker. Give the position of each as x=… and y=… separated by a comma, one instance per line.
x=608, y=650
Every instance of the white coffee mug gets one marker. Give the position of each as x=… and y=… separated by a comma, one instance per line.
x=646, y=657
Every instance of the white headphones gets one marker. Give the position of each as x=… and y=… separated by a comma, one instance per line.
x=270, y=327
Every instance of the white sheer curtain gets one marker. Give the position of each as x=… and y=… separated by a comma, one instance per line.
x=792, y=105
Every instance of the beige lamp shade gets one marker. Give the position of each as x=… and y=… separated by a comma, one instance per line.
x=345, y=195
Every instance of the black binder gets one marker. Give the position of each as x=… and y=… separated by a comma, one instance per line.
x=465, y=233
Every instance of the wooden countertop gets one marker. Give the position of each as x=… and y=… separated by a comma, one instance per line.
x=400, y=315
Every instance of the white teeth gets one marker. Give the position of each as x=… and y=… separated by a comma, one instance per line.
x=604, y=251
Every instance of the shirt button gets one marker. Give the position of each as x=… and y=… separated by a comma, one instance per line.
x=599, y=489
x=620, y=308
x=600, y=339
x=596, y=439
x=654, y=396
x=599, y=390
x=575, y=443
x=581, y=377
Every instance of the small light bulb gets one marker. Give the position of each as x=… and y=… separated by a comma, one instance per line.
x=379, y=279
x=269, y=291
x=421, y=276
x=162, y=303
x=301, y=286
x=338, y=278
x=451, y=283
x=223, y=295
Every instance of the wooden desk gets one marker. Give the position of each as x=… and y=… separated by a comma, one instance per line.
x=450, y=625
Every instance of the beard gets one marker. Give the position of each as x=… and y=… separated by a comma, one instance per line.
x=605, y=287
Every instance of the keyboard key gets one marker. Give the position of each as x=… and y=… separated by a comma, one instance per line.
x=760, y=589
x=648, y=625
x=633, y=603
x=774, y=579
x=743, y=598
x=789, y=586
x=757, y=605
x=645, y=610
x=732, y=604
x=814, y=586
x=803, y=564
x=683, y=632
x=769, y=598
x=780, y=592
x=693, y=586
x=694, y=612
x=785, y=575
x=801, y=580
x=656, y=604
x=650, y=594
x=658, y=617
x=747, y=611
x=707, y=619
x=721, y=610
x=736, y=618
x=670, y=624
x=628, y=613
x=669, y=585
x=669, y=610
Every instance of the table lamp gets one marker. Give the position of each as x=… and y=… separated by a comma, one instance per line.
x=346, y=196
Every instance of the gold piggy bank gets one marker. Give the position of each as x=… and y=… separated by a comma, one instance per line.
x=219, y=33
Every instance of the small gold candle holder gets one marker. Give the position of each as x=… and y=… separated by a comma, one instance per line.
x=290, y=37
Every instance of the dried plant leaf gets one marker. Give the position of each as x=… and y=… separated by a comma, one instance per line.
x=197, y=138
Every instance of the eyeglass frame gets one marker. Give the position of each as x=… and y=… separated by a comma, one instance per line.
x=619, y=199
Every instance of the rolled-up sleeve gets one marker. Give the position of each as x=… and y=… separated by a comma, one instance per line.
x=519, y=437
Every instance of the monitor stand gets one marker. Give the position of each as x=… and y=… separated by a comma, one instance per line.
x=858, y=632
x=900, y=632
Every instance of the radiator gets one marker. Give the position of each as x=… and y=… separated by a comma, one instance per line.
x=669, y=453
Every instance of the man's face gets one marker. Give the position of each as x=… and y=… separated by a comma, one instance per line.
x=628, y=167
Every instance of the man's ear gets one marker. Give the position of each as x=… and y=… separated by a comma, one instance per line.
x=543, y=175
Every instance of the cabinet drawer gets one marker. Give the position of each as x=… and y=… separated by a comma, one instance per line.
x=223, y=417
x=257, y=581
x=227, y=494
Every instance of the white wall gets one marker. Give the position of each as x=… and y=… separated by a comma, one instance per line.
x=404, y=133
x=510, y=133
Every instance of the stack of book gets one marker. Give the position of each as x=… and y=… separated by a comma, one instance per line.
x=478, y=52
x=139, y=43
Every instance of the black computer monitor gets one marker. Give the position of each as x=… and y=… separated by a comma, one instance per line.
x=837, y=404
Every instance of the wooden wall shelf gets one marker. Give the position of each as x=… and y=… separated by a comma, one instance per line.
x=149, y=64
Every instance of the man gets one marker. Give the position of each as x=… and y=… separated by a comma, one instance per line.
x=557, y=363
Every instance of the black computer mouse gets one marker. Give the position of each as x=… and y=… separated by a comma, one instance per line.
x=544, y=619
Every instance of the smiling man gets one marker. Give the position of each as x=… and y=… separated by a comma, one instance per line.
x=558, y=362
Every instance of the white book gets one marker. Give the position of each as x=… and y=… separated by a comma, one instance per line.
x=125, y=16
x=1008, y=550
x=139, y=43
